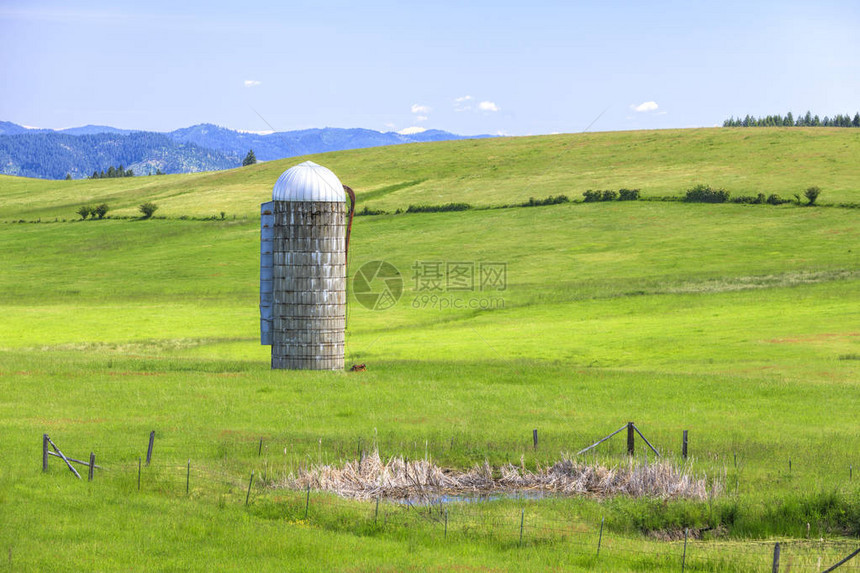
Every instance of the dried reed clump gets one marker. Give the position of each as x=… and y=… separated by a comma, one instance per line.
x=399, y=478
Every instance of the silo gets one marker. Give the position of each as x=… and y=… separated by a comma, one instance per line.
x=303, y=242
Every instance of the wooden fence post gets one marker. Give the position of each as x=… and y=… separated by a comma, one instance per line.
x=600, y=537
x=776, y=558
x=535, y=437
x=684, y=446
x=44, y=452
x=684, y=557
x=65, y=459
x=248, y=495
x=92, y=466
x=631, y=444
x=188, y=476
x=522, y=521
x=842, y=562
x=149, y=449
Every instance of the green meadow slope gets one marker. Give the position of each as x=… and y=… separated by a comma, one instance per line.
x=738, y=323
x=485, y=172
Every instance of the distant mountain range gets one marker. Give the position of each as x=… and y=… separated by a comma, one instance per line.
x=79, y=151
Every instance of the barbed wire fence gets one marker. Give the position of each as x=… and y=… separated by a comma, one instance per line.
x=512, y=526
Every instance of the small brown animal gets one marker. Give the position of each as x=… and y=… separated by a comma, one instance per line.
x=358, y=368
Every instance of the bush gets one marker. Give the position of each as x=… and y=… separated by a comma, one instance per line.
x=704, y=194
x=367, y=211
x=592, y=196
x=147, y=209
x=609, y=195
x=628, y=194
x=551, y=200
x=100, y=211
x=749, y=199
x=775, y=199
x=438, y=208
x=85, y=211
x=812, y=194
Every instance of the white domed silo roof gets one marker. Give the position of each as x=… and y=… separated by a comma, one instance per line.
x=308, y=182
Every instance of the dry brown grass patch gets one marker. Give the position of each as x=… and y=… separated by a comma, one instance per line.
x=399, y=478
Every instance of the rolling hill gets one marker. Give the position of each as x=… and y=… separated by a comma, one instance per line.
x=494, y=171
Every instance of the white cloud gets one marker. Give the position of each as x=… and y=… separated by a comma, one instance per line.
x=662, y=112
x=463, y=103
x=420, y=109
x=252, y=83
x=420, y=118
x=645, y=106
x=412, y=130
x=488, y=106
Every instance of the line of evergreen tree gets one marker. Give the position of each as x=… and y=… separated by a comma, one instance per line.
x=112, y=172
x=789, y=120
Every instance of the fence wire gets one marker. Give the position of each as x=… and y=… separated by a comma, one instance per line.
x=460, y=521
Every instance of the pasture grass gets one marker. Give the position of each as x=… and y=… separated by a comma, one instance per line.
x=735, y=322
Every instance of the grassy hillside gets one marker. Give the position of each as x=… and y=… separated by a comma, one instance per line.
x=493, y=172
x=735, y=322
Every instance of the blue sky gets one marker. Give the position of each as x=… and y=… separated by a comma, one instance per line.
x=467, y=67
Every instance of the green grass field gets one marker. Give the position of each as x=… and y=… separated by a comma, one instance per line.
x=491, y=172
x=738, y=323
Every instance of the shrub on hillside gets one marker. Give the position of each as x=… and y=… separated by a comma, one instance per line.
x=704, y=194
x=84, y=211
x=100, y=210
x=147, y=209
x=749, y=199
x=610, y=195
x=438, y=208
x=775, y=199
x=812, y=194
x=367, y=211
x=592, y=196
x=551, y=200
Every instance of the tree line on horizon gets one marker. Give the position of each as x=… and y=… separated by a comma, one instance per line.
x=789, y=120
x=111, y=173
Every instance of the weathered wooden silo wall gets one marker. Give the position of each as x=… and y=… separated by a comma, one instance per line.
x=309, y=285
